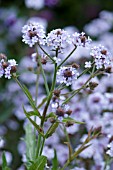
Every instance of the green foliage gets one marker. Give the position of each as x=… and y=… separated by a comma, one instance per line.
x=29, y=140
x=39, y=164
x=52, y=129
x=38, y=128
x=71, y=120
x=55, y=161
x=4, y=162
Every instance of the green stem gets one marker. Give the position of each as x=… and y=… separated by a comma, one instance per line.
x=49, y=97
x=43, y=73
x=38, y=145
x=42, y=146
x=77, y=91
x=36, y=97
x=46, y=53
x=67, y=57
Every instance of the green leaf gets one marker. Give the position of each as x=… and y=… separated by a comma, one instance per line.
x=55, y=161
x=52, y=129
x=39, y=164
x=69, y=119
x=51, y=115
x=43, y=101
x=32, y=113
x=29, y=140
x=38, y=128
x=28, y=94
x=4, y=162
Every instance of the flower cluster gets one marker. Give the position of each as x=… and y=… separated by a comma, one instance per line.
x=79, y=39
x=7, y=67
x=67, y=75
x=101, y=56
x=110, y=150
x=33, y=33
x=58, y=39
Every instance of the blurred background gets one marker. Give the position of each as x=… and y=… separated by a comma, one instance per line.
x=69, y=14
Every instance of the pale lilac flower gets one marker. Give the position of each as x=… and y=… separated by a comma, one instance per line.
x=49, y=152
x=33, y=33
x=80, y=39
x=7, y=67
x=35, y=4
x=97, y=27
x=102, y=57
x=12, y=62
x=110, y=150
x=67, y=75
x=88, y=64
x=34, y=57
x=1, y=70
x=8, y=72
x=2, y=142
x=77, y=168
x=58, y=40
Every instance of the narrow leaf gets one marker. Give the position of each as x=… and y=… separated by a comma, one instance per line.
x=52, y=129
x=43, y=101
x=69, y=119
x=38, y=128
x=55, y=161
x=39, y=164
x=29, y=140
x=4, y=162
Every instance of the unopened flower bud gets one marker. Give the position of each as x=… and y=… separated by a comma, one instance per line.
x=68, y=112
x=69, y=124
x=109, y=70
x=4, y=65
x=56, y=92
x=74, y=65
x=111, y=139
x=92, y=85
x=97, y=130
x=13, y=69
x=43, y=60
x=60, y=111
x=52, y=120
x=3, y=56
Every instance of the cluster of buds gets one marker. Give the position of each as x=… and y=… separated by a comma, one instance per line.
x=7, y=67
x=58, y=108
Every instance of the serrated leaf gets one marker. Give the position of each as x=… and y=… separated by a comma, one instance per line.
x=30, y=141
x=38, y=128
x=69, y=119
x=55, y=161
x=39, y=164
x=52, y=129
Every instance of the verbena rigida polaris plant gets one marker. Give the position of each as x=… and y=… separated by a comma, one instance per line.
x=56, y=107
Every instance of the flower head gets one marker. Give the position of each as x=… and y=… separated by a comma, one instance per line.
x=33, y=33
x=58, y=39
x=79, y=39
x=67, y=75
x=101, y=56
x=7, y=67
